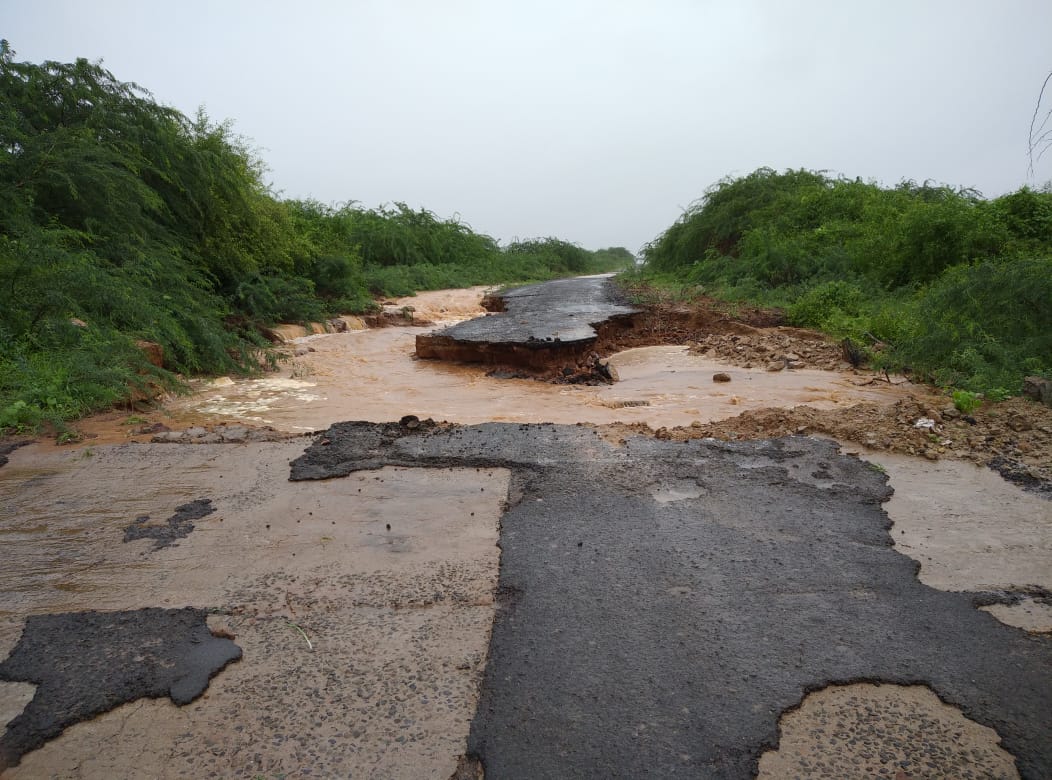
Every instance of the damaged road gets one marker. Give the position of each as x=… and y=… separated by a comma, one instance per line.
x=661, y=608
x=535, y=326
x=662, y=604
x=360, y=609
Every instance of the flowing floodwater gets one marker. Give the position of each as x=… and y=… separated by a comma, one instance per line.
x=372, y=375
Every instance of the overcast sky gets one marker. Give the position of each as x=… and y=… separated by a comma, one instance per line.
x=597, y=122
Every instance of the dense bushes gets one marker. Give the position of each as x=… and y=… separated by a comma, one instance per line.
x=958, y=286
x=982, y=326
x=122, y=220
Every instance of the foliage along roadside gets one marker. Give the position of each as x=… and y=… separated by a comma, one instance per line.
x=939, y=281
x=123, y=220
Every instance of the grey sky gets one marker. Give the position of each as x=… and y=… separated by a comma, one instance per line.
x=592, y=121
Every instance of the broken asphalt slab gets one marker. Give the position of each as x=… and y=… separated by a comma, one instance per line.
x=662, y=604
x=539, y=321
x=88, y=663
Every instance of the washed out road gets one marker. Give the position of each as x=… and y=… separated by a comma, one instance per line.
x=540, y=324
x=431, y=600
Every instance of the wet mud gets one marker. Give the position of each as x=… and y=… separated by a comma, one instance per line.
x=673, y=598
x=7, y=447
x=86, y=663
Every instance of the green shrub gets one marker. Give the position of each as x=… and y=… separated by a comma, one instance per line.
x=266, y=299
x=984, y=326
x=958, y=287
x=966, y=402
x=831, y=306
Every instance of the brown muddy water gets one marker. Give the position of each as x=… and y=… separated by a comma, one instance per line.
x=372, y=375
x=950, y=516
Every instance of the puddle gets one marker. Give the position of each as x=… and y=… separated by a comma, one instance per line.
x=678, y=388
x=972, y=531
x=892, y=731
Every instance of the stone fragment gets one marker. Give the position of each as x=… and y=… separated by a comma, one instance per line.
x=1038, y=389
x=153, y=351
x=1019, y=423
x=721, y=377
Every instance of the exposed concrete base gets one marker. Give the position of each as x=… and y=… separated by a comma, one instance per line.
x=898, y=732
x=363, y=607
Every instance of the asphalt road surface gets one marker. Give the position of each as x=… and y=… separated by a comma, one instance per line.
x=662, y=604
x=561, y=310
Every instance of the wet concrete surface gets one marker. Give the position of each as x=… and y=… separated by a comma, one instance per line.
x=539, y=323
x=661, y=604
x=890, y=731
x=970, y=530
x=87, y=663
x=363, y=607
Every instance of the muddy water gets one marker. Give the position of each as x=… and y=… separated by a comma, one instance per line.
x=372, y=375
x=969, y=529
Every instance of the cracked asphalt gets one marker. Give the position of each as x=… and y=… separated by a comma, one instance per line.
x=658, y=609
x=562, y=310
x=662, y=604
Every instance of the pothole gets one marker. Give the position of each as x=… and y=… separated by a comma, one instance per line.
x=677, y=490
x=902, y=732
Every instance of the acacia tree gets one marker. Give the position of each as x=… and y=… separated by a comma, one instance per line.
x=127, y=216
